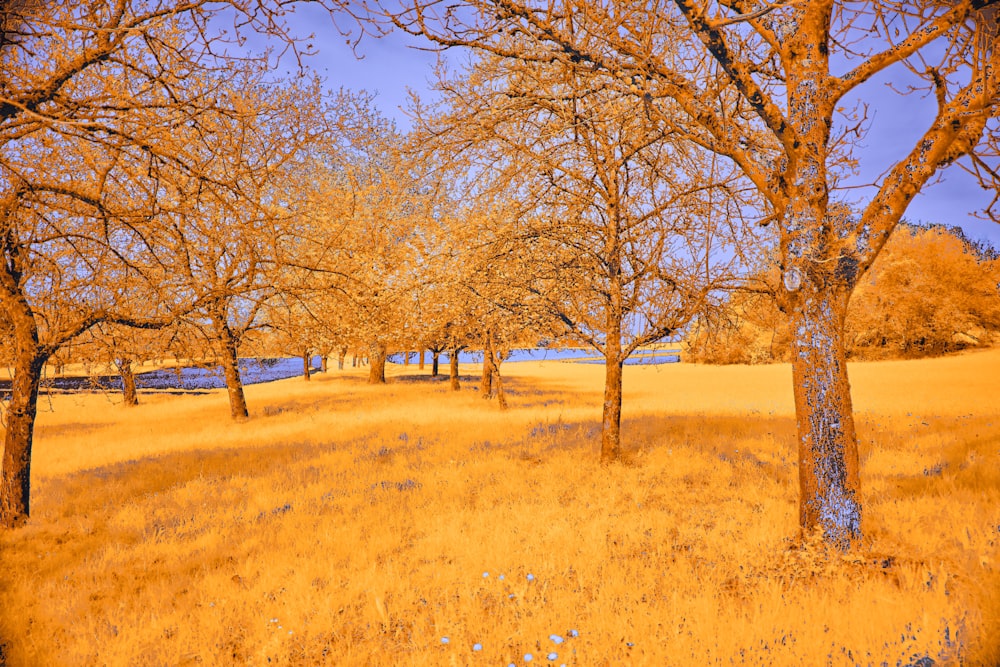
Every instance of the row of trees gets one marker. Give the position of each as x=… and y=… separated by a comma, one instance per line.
x=931, y=291
x=602, y=173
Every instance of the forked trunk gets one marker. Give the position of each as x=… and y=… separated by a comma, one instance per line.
x=129, y=394
x=231, y=370
x=495, y=379
x=453, y=367
x=28, y=362
x=435, y=355
x=376, y=372
x=306, y=369
x=829, y=481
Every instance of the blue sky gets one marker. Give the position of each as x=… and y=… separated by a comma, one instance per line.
x=389, y=68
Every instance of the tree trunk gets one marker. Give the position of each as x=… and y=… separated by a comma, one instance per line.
x=611, y=441
x=306, y=366
x=486, y=382
x=453, y=368
x=129, y=393
x=324, y=363
x=231, y=369
x=434, y=363
x=406, y=358
x=495, y=380
x=15, y=469
x=341, y=355
x=829, y=481
x=354, y=361
x=420, y=360
x=376, y=373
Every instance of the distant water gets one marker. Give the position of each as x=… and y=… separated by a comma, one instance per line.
x=252, y=371
x=643, y=357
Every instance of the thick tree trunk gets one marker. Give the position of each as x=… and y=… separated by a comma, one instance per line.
x=231, y=369
x=306, y=366
x=354, y=361
x=829, y=481
x=420, y=360
x=129, y=394
x=28, y=362
x=434, y=363
x=376, y=373
x=324, y=363
x=453, y=368
x=341, y=355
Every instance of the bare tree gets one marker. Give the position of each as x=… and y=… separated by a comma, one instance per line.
x=623, y=222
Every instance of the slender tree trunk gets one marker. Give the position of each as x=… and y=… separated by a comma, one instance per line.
x=420, y=360
x=341, y=355
x=129, y=393
x=434, y=363
x=406, y=358
x=28, y=362
x=829, y=480
x=354, y=361
x=486, y=382
x=324, y=363
x=231, y=368
x=453, y=368
x=611, y=441
x=376, y=373
x=306, y=370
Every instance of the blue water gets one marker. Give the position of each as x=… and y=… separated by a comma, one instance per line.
x=252, y=371
x=544, y=354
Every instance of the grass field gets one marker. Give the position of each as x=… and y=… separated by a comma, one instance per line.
x=346, y=524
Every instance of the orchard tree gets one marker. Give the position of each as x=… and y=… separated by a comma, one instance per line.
x=624, y=222
x=772, y=87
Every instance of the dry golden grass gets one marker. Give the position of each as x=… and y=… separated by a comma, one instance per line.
x=355, y=525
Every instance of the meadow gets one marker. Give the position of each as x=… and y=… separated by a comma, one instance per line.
x=348, y=524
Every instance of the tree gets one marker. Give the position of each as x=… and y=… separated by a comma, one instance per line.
x=929, y=292
x=101, y=106
x=755, y=83
x=619, y=223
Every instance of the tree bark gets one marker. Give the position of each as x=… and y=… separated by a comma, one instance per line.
x=306, y=370
x=434, y=363
x=406, y=358
x=129, y=393
x=341, y=355
x=453, y=368
x=29, y=359
x=324, y=363
x=611, y=442
x=829, y=480
x=486, y=382
x=231, y=369
x=420, y=359
x=376, y=372
x=495, y=380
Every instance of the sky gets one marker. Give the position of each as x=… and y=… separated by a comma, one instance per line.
x=390, y=68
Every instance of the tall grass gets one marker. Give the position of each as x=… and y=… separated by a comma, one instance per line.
x=409, y=525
